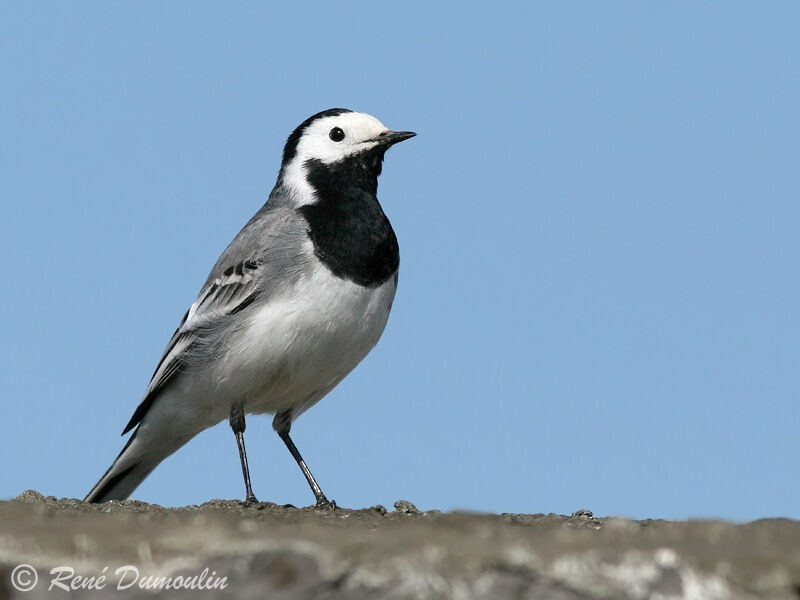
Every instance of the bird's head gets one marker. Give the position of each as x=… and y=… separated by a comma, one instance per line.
x=338, y=141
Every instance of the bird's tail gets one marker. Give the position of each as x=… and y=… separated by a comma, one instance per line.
x=152, y=441
x=125, y=474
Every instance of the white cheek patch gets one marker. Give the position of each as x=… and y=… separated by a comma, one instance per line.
x=358, y=128
x=294, y=177
x=315, y=143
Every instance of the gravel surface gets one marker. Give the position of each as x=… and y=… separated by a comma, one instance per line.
x=271, y=551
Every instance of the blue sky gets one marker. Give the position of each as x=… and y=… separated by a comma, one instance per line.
x=598, y=221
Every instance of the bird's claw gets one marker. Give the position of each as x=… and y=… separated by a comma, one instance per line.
x=325, y=504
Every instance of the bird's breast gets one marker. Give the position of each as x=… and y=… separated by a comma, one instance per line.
x=352, y=236
x=302, y=342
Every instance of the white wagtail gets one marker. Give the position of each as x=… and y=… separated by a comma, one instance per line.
x=294, y=303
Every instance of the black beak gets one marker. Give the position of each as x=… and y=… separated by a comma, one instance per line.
x=389, y=138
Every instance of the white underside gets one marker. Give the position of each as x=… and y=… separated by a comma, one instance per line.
x=295, y=349
x=300, y=346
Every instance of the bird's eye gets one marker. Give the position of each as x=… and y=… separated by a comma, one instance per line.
x=336, y=134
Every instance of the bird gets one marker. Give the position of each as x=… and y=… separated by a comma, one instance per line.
x=292, y=305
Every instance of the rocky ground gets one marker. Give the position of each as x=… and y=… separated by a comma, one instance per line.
x=268, y=551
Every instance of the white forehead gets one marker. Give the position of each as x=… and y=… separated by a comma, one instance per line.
x=315, y=142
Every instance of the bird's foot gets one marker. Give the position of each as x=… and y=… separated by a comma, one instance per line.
x=250, y=501
x=324, y=504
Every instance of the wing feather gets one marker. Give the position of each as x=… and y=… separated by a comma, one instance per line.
x=227, y=295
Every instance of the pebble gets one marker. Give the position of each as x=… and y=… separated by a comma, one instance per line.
x=404, y=506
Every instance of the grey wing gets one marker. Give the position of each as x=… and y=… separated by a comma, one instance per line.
x=227, y=295
x=272, y=245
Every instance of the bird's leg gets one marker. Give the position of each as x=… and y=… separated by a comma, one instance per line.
x=282, y=423
x=238, y=425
